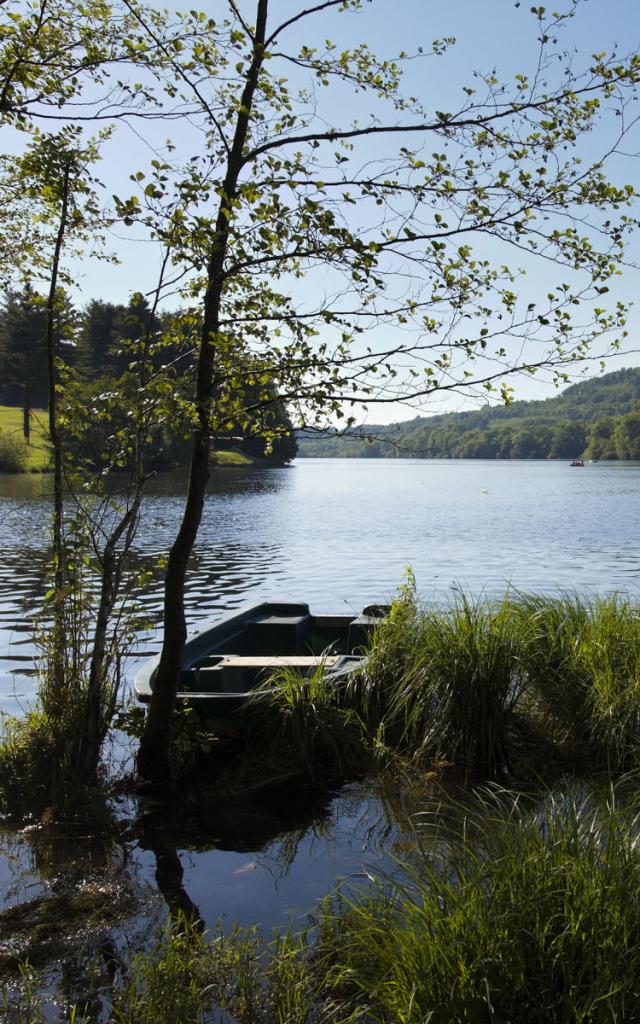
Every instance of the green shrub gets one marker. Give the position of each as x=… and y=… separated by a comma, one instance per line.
x=13, y=454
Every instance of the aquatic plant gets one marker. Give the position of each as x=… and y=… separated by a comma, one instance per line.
x=477, y=682
x=582, y=660
x=42, y=753
x=509, y=908
x=519, y=913
x=443, y=684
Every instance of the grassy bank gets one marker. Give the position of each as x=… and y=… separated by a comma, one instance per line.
x=227, y=458
x=18, y=457
x=15, y=455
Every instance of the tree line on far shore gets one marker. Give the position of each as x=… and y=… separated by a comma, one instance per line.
x=92, y=341
x=595, y=419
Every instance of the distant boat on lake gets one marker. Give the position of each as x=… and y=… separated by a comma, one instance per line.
x=577, y=462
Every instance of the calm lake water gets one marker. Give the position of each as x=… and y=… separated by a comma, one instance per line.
x=338, y=534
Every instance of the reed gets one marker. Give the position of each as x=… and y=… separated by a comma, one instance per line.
x=521, y=914
x=38, y=750
x=582, y=659
x=467, y=667
x=169, y=982
x=28, y=748
x=477, y=682
x=444, y=684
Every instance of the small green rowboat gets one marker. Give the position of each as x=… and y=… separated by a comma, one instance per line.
x=225, y=659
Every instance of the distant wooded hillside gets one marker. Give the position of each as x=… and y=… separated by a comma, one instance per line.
x=596, y=419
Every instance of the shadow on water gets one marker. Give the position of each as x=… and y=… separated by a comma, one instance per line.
x=207, y=825
x=66, y=896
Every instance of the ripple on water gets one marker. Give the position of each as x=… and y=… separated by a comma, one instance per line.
x=340, y=533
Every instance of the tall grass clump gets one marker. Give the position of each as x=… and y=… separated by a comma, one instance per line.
x=467, y=666
x=583, y=669
x=525, y=916
x=444, y=684
x=169, y=982
x=391, y=658
x=299, y=730
x=13, y=454
x=37, y=749
x=41, y=753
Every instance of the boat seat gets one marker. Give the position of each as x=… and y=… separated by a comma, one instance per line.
x=279, y=661
x=223, y=679
x=279, y=633
x=238, y=673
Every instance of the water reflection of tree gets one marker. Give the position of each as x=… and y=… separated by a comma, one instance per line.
x=275, y=825
x=157, y=833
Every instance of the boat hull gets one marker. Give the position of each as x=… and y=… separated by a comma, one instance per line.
x=225, y=659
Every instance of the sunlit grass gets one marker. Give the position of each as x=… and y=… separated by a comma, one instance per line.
x=37, y=454
x=444, y=684
x=230, y=458
x=519, y=914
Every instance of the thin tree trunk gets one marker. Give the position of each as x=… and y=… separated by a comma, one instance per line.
x=26, y=411
x=58, y=508
x=96, y=718
x=100, y=701
x=154, y=762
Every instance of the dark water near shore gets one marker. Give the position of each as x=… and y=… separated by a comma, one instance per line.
x=339, y=534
